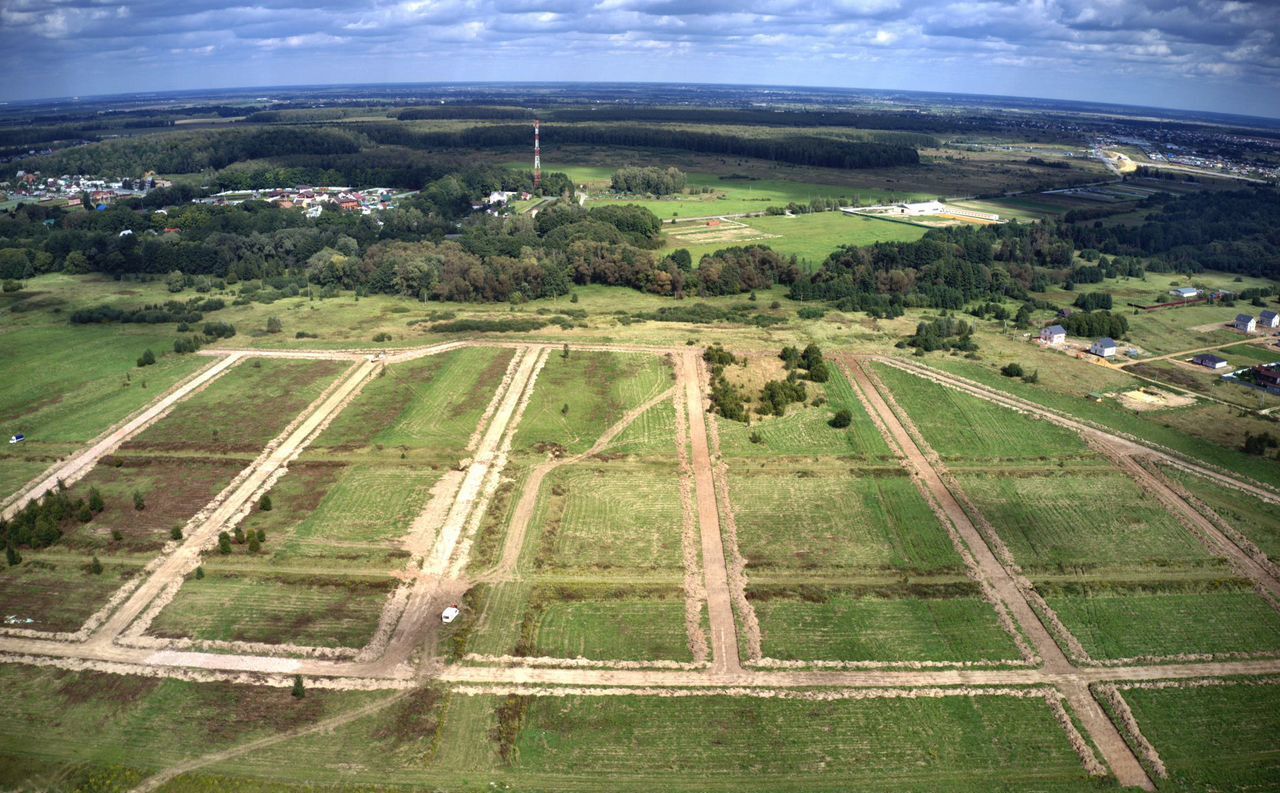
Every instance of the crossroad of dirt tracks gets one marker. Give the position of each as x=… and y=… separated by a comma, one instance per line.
x=404, y=659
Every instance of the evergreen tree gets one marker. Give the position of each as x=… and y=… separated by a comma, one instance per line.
x=298, y=690
x=95, y=500
x=95, y=566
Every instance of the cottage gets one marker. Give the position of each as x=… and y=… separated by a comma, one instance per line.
x=1185, y=292
x=1245, y=323
x=1054, y=334
x=1104, y=348
x=1210, y=361
x=1267, y=375
x=1269, y=319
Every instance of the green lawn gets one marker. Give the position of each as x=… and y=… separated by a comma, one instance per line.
x=597, y=388
x=851, y=628
x=625, y=628
x=315, y=611
x=1215, y=738
x=802, y=522
x=1127, y=624
x=811, y=238
x=652, y=434
x=243, y=409
x=744, y=743
x=960, y=426
x=1088, y=521
x=1252, y=517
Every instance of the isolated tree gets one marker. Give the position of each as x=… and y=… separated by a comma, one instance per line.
x=841, y=419
x=264, y=503
x=274, y=325
x=224, y=543
x=239, y=536
x=85, y=514
x=565, y=352
x=95, y=566
x=1012, y=370
x=254, y=545
x=564, y=409
x=148, y=358
x=95, y=500
x=261, y=535
x=298, y=690
x=199, y=572
x=11, y=554
x=138, y=503
x=117, y=535
x=175, y=533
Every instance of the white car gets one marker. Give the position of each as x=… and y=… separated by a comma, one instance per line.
x=449, y=615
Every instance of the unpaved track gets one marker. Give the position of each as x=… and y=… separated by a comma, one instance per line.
x=81, y=463
x=1106, y=737
x=187, y=556
x=724, y=631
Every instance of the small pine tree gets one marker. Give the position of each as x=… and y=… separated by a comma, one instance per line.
x=148, y=358
x=264, y=503
x=95, y=500
x=175, y=533
x=138, y=503
x=11, y=555
x=199, y=572
x=239, y=536
x=254, y=545
x=95, y=566
x=573, y=297
x=298, y=690
x=86, y=514
x=564, y=409
x=565, y=352
x=841, y=419
x=224, y=543
x=117, y=535
x=261, y=534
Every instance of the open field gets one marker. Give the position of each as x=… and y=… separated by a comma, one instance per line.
x=59, y=592
x=811, y=238
x=1213, y=737
x=311, y=611
x=621, y=628
x=1252, y=517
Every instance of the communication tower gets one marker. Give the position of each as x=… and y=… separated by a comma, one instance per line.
x=537, y=156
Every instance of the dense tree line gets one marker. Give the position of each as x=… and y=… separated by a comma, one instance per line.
x=795, y=149
x=1096, y=324
x=658, y=181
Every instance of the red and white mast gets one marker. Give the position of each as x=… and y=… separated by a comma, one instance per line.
x=537, y=156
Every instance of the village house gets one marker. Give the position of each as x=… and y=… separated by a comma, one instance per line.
x=1269, y=319
x=1054, y=334
x=1245, y=323
x=1209, y=360
x=1103, y=348
x=1185, y=292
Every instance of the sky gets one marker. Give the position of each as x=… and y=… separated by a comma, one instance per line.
x=1186, y=54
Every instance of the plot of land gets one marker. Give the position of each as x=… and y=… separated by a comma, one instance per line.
x=1251, y=516
x=811, y=238
x=57, y=594
x=623, y=628
x=314, y=611
x=1217, y=737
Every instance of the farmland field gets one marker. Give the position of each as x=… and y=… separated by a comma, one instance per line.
x=1251, y=516
x=622, y=628
x=811, y=237
x=313, y=611
x=58, y=593
x=1215, y=737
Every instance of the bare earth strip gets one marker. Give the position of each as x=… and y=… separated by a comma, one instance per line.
x=1116, y=752
x=81, y=463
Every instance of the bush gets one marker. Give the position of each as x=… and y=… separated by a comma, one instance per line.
x=382, y=337
x=811, y=312
x=841, y=419
x=274, y=325
x=95, y=566
x=224, y=543
x=1012, y=370
x=265, y=503
x=175, y=533
x=138, y=503
x=148, y=358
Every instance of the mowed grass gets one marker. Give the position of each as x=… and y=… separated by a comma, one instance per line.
x=811, y=238
x=1249, y=515
x=847, y=627
x=803, y=521
x=313, y=611
x=596, y=387
x=745, y=743
x=105, y=732
x=68, y=383
x=1213, y=738
x=613, y=515
x=1081, y=521
x=623, y=628
x=1120, y=623
x=1174, y=329
x=433, y=402
x=960, y=426
x=351, y=513
x=58, y=593
x=242, y=410
x=804, y=430
x=652, y=434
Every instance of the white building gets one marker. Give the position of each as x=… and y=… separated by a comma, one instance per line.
x=1104, y=348
x=1185, y=292
x=1246, y=323
x=1269, y=319
x=1054, y=334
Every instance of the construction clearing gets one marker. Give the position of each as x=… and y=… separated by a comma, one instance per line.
x=533, y=551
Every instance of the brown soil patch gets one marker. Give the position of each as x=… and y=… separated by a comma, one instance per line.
x=1153, y=399
x=236, y=710
x=1170, y=373
x=81, y=687
x=415, y=718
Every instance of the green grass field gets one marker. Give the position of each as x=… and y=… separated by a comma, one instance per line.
x=850, y=628
x=597, y=388
x=804, y=429
x=615, y=515
x=804, y=522
x=811, y=238
x=57, y=592
x=313, y=611
x=1213, y=738
x=960, y=426
x=1098, y=520
x=1120, y=623
x=242, y=410
x=624, y=628
x=652, y=434
x=1251, y=516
